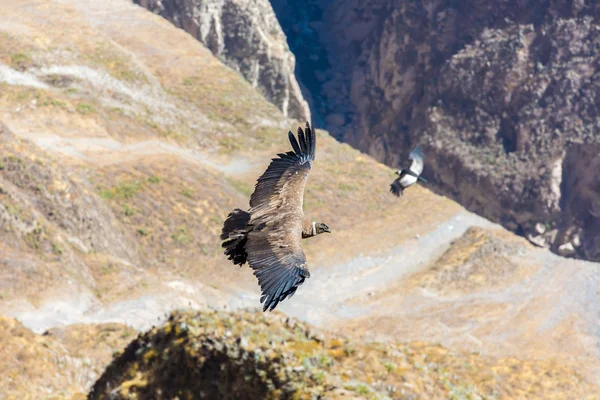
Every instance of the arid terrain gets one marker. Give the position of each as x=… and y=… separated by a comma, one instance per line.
x=124, y=144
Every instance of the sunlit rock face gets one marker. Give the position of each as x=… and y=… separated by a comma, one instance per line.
x=247, y=37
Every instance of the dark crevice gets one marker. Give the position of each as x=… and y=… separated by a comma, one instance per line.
x=508, y=135
x=297, y=21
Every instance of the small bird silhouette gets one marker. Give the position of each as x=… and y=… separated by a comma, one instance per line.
x=409, y=176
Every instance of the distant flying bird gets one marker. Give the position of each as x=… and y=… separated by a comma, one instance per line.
x=410, y=176
x=269, y=234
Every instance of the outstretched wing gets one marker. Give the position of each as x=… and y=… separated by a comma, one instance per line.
x=274, y=249
x=275, y=254
x=283, y=181
x=417, y=158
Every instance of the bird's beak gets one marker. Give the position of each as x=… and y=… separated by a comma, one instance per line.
x=328, y=230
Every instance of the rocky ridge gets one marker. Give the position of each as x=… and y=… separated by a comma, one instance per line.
x=270, y=356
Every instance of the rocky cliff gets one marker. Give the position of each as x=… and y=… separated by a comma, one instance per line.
x=247, y=37
x=502, y=94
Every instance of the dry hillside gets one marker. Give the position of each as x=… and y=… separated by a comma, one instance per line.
x=125, y=143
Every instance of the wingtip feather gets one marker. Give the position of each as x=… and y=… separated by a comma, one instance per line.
x=294, y=143
x=302, y=140
x=312, y=140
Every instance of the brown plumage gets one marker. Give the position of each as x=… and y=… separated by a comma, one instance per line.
x=268, y=236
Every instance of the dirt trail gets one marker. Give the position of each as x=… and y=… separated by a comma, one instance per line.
x=107, y=151
x=324, y=295
x=320, y=300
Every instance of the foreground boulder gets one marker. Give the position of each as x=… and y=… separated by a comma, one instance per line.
x=218, y=355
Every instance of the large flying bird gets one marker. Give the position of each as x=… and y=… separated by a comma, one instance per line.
x=268, y=236
x=409, y=176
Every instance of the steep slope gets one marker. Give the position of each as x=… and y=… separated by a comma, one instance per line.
x=245, y=36
x=60, y=364
x=502, y=95
x=146, y=159
x=126, y=143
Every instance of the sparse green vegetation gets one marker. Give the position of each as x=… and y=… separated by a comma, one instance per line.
x=143, y=232
x=324, y=361
x=346, y=187
x=319, y=376
x=116, y=64
x=154, y=179
x=170, y=134
x=181, y=236
x=35, y=96
x=389, y=366
x=229, y=144
x=20, y=60
x=107, y=194
x=460, y=392
x=361, y=388
x=349, y=349
x=35, y=238
x=85, y=108
x=128, y=210
x=54, y=103
x=108, y=268
x=187, y=193
x=12, y=209
x=56, y=248
x=126, y=190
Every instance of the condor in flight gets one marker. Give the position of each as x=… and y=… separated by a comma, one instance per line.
x=268, y=236
x=409, y=176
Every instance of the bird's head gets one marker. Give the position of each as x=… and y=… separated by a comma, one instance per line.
x=399, y=172
x=322, y=228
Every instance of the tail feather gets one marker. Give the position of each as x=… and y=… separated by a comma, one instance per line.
x=235, y=235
